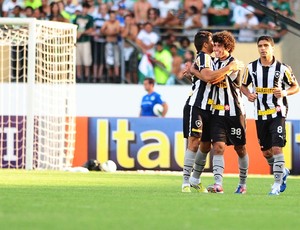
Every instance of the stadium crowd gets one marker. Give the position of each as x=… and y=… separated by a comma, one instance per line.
x=147, y=37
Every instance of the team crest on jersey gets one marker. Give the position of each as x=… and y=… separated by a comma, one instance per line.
x=277, y=74
x=278, y=109
x=227, y=107
x=254, y=73
x=198, y=123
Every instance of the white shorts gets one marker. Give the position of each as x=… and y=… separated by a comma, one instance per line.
x=83, y=53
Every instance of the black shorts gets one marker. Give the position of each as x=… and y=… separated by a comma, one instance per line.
x=271, y=132
x=196, y=123
x=230, y=130
x=98, y=53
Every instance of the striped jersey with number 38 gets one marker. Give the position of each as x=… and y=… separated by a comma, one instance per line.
x=202, y=91
x=264, y=79
x=228, y=99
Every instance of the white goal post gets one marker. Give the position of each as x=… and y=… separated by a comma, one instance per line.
x=37, y=93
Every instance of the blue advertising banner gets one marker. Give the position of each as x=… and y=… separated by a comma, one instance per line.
x=158, y=144
x=137, y=143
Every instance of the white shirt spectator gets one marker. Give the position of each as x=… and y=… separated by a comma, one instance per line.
x=154, y=3
x=148, y=39
x=9, y=5
x=204, y=16
x=247, y=25
x=166, y=5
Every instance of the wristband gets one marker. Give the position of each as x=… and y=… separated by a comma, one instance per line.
x=284, y=93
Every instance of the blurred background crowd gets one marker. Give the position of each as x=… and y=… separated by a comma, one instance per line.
x=122, y=41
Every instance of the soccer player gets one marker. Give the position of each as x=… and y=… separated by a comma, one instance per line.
x=150, y=99
x=197, y=111
x=272, y=82
x=228, y=120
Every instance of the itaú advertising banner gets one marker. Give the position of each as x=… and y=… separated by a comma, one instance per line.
x=158, y=144
x=137, y=143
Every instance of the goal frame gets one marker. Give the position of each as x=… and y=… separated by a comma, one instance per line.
x=32, y=22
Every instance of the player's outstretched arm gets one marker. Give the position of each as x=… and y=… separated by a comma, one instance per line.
x=209, y=75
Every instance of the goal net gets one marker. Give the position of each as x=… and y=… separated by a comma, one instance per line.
x=37, y=94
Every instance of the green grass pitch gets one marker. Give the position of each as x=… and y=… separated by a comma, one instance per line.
x=98, y=200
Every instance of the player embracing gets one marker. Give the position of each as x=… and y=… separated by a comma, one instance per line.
x=228, y=120
x=197, y=111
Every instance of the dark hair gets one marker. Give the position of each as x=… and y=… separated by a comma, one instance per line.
x=173, y=46
x=85, y=5
x=159, y=43
x=225, y=38
x=150, y=80
x=200, y=38
x=147, y=23
x=184, y=39
x=194, y=9
x=267, y=38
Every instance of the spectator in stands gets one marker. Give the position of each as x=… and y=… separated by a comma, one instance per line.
x=192, y=22
x=184, y=45
x=112, y=29
x=140, y=9
x=277, y=31
x=162, y=63
x=93, y=8
x=39, y=14
x=98, y=42
x=64, y=13
x=260, y=14
x=154, y=19
x=16, y=13
x=177, y=62
x=147, y=39
x=28, y=12
x=188, y=3
x=238, y=11
x=283, y=7
x=1, y=3
x=165, y=6
x=219, y=13
x=45, y=7
x=169, y=40
x=154, y=3
x=83, y=50
x=129, y=33
x=55, y=13
x=128, y=4
x=189, y=57
x=247, y=25
x=9, y=5
x=70, y=7
x=204, y=15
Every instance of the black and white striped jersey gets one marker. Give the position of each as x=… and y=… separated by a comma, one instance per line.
x=264, y=79
x=228, y=100
x=202, y=92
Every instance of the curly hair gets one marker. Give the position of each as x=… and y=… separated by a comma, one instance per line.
x=225, y=38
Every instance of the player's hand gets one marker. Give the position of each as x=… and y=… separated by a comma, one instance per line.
x=236, y=65
x=217, y=80
x=278, y=93
x=252, y=97
x=187, y=68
